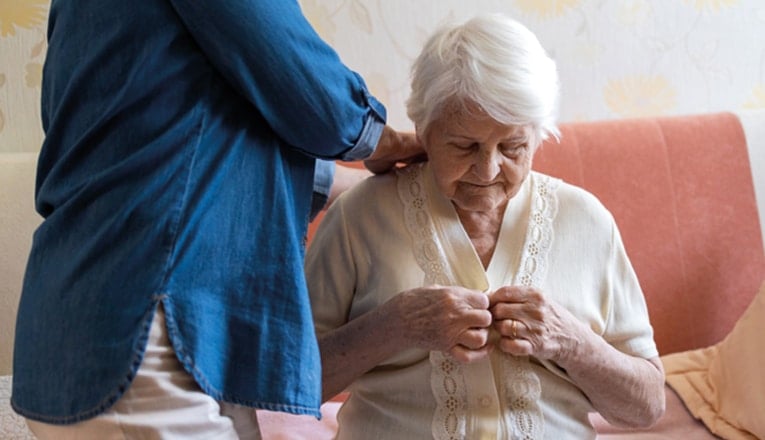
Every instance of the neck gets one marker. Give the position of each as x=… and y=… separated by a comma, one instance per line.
x=483, y=229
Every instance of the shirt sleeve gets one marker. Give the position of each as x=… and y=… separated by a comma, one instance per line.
x=324, y=175
x=628, y=326
x=269, y=53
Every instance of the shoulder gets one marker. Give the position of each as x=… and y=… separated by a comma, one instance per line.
x=369, y=195
x=380, y=191
x=576, y=206
x=371, y=201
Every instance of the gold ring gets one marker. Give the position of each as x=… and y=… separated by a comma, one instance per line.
x=512, y=329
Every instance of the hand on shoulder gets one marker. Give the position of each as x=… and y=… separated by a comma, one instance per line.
x=395, y=147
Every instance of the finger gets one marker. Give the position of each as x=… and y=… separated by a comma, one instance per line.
x=379, y=166
x=473, y=338
x=476, y=319
x=382, y=166
x=465, y=355
x=505, y=294
x=503, y=310
x=513, y=294
x=477, y=300
x=516, y=347
x=512, y=328
x=419, y=157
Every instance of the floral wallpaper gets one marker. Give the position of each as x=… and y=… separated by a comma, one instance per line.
x=616, y=59
x=22, y=52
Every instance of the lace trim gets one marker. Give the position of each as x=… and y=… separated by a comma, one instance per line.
x=450, y=391
x=521, y=390
x=446, y=379
x=427, y=248
x=539, y=234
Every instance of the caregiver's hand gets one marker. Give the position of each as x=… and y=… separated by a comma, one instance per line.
x=394, y=147
x=532, y=325
x=445, y=318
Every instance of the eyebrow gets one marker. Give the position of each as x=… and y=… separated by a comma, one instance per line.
x=514, y=138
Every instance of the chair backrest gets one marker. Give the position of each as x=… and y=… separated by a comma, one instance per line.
x=682, y=193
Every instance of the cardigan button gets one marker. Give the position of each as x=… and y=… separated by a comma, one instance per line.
x=484, y=401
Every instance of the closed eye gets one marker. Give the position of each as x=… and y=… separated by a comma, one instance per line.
x=513, y=149
x=466, y=146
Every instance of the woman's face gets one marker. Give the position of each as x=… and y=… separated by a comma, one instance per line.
x=477, y=162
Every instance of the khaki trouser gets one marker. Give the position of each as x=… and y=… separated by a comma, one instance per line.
x=162, y=402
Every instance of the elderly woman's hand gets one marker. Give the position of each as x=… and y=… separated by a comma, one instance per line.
x=531, y=325
x=446, y=318
x=626, y=390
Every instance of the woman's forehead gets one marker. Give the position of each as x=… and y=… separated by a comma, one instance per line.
x=469, y=125
x=462, y=115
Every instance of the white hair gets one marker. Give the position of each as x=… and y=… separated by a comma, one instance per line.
x=491, y=61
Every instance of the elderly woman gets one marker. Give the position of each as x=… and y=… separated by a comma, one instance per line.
x=470, y=297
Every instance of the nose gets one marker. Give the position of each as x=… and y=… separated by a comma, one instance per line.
x=486, y=164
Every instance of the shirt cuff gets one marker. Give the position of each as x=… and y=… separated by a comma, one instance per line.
x=324, y=175
x=370, y=134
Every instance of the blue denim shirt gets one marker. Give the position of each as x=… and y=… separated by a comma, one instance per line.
x=178, y=167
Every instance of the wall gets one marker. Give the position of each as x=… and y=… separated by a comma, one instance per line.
x=616, y=58
x=22, y=52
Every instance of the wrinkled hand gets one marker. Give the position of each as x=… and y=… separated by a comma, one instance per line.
x=394, y=147
x=445, y=318
x=532, y=325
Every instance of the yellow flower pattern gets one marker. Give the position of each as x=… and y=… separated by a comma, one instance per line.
x=640, y=95
x=713, y=5
x=758, y=98
x=33, y=77
x=26, y=14
x=546, y=8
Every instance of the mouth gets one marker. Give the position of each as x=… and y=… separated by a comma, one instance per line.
x=482, y=185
